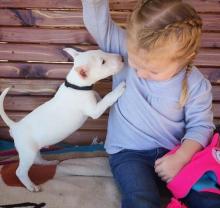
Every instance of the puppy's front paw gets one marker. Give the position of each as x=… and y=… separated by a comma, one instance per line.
x=119, y=90
x=121, y=85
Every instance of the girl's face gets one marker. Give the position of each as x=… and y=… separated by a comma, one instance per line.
x=157, y=68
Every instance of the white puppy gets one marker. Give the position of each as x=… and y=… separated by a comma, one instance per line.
x=66, y=112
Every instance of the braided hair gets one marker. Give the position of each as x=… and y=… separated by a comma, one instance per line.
x=155, y=23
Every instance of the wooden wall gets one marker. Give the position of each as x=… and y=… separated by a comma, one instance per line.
x=33, y=33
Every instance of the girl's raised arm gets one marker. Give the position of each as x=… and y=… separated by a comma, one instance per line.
x=109, y=36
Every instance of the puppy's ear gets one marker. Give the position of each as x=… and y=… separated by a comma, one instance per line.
x=83, y=71
x=72, y=52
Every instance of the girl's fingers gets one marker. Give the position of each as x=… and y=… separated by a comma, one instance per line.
x=158, y=161
x=157, y=168
x=161, y=174
x=169, y=179
x=165, y=178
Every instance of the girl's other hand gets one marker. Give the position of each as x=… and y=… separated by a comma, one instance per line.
x=168, y=166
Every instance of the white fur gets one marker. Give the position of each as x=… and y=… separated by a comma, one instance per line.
x=65, y=112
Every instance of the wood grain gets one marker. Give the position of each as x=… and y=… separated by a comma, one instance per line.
x=200, y=5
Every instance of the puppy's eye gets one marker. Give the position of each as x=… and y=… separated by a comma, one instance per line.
x=103, y=62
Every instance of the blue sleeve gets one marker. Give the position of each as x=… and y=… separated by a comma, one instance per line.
x=198, y=113
x=97, y=19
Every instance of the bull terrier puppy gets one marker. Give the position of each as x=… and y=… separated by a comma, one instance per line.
x=66, y=112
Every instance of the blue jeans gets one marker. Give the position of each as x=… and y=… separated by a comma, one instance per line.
x=133, y=171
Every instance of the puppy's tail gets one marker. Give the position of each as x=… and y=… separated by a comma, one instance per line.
x=5, y=118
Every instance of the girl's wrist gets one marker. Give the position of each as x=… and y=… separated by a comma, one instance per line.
x=182, y=156
x=188, y=149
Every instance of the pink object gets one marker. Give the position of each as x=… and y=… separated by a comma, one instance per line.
x=175, y=203
x=206, y=160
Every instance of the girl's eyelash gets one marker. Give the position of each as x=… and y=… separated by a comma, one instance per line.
x=154, y=72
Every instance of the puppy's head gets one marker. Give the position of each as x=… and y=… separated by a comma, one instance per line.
x=95, y=65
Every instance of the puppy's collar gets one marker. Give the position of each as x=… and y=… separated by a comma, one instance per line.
x=67, y=84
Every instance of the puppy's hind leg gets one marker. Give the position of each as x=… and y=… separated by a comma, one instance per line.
x=26, y=159
x=40, y=161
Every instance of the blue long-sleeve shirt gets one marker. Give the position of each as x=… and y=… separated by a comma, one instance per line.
x=148, y=115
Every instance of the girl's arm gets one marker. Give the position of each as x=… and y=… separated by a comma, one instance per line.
x=187, y=149
x=97, y=19
x=199, y=130
x=198, y=114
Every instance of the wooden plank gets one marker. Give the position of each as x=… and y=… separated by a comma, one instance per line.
x=40, y=18
x=205, y=5
x=43, y=87
x=24, y=103
x=216, y=110
x=80, y=137
x=200, y=5
x=29, y=103
x=39, y=52
x=211, y=40
x=90, y=124
x=71, y=36
x=34, y=71
x=72, y=19
x=211, y=22
x=212, y=74
x=30, y=87
x=33, y=52
x=50, y=54
x=45, y=18
x=59, y=71
x=217, y=121
x=208, y=57
x=35, y=35
x=55, y=4
x=38, y=71
x=216, y=92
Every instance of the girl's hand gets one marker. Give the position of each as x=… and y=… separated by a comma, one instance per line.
x=168, y=166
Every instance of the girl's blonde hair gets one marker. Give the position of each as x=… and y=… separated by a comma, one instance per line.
x=156, y=23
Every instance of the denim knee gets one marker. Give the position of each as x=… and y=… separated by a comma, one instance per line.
x=140, y=200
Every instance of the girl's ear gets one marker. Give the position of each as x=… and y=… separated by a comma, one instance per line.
x=72, y=52
x=82, y=71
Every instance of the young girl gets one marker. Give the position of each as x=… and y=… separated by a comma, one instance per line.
x=167, y=100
